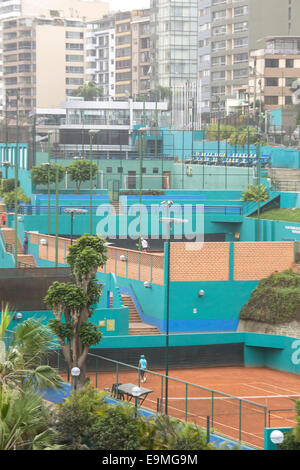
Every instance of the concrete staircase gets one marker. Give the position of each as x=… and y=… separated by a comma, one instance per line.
x=136, y=326
x=117, y=207
x=286, y=179
x=24, y=261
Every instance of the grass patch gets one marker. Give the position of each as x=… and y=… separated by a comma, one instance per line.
x=285, y=215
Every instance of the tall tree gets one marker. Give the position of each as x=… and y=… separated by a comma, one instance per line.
x=39, y=174
x=79, y=172
x=72, y=303
x=258, y=194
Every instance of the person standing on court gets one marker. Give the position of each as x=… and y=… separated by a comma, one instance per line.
x=3, y=219
x=144, y=244
x=25, y=244
x=142, y=367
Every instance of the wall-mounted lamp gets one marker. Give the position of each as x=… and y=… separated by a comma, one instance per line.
x=43, y=241
x=147, y=285
x=20, y=219
x=17, y=316
x=201, y=293
x=123, y=258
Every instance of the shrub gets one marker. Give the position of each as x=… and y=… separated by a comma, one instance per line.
x=275, y=300
x=8, y=185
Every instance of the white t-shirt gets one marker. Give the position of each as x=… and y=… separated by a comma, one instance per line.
x=144, y=244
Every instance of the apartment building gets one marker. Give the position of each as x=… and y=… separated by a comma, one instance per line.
x=40, y=72
x=73, y=9
x=100, y=55
x=273, y=71
x=237, y=27
x=118, y=54
x=132, y=53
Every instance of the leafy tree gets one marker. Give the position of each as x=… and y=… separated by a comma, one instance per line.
x=9, y=198
x=39, y=174
x=89, y=91
x=258, y=194
x=72, y=302
x=212, y=132
x=79, y=172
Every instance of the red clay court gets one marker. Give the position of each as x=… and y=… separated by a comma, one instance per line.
x=240, y=418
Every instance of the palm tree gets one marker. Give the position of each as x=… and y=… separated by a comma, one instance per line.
x=22, y=362
x=258, y=194
x=26, y=422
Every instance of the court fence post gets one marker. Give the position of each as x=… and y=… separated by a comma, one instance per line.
x=240, y=420
x=161, y=393
x=186, y=402
x=96, y=373
x=212, y=408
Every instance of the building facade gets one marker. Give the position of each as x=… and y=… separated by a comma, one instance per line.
x=237, y=27
x=72, y=9
x=275, y=69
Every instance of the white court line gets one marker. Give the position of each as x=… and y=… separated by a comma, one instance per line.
x=258, y=388
x=277, y=386
x=234, y=397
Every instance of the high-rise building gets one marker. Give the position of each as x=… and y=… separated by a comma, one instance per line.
x=118, y=54
x=42, y=72
x=81, y=10
x=174, y=30
x=100, y=55
x=132, y=53
x=236, y=28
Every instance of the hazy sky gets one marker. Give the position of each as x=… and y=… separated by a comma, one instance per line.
x=125, y=5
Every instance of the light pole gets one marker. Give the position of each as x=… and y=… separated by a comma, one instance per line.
x=141, y=143
x=16, y=181
x=75, y=372
x=6, y=164
x=48, y=165
x=73, y=211
x=92, y=133
x=169, y=222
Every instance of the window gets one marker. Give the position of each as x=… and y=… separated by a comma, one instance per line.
x=74, y=58
x=271, y=81
x=270, y=100
x=240, y=42
x=74, y=35
x=241, y=11
x=155, y=170
x=71, y=69
x=289, y=63
x=240, y=27
x=271, y=63
x=240, y=58
x=74, y=81
x=109, y=169
x=240, y=73
x=120, y=169
x=289, y=81
x=74, y=46
x=288, y=100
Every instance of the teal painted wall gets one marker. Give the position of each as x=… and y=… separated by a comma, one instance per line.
x=217, y=310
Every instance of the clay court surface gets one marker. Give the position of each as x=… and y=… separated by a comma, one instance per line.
x=241, y=418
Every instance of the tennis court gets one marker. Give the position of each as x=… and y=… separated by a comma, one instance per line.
x=240, y=402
